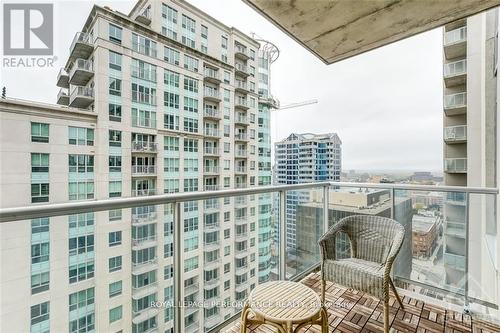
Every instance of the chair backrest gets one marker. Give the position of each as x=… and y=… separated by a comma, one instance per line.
x=373, y=237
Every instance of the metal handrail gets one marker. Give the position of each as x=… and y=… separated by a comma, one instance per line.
x=47, y=210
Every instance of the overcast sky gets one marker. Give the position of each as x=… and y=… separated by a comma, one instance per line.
x=386, y=105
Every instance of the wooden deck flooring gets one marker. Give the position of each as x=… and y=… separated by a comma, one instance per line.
x=350, y=311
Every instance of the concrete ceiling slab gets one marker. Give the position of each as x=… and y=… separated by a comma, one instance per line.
x=338, y=29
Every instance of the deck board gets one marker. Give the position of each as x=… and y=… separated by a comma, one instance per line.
x=351, y=311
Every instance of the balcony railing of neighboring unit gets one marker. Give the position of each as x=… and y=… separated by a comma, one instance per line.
x=455, y=165
x=313, y=215
x=241, y=50
x=455, y=36
x=82, y=65
x=211, y=151
x=241, y=68
x=144, y=192
x=143, y=240
x=211, y=169
x=211, y=132
x=241, y=102
x=211, y=73
x=240, y=153
x=211, y=187
x=212, y=113
x=144, y=146
x=455, y=100
x=241, y=136
x=148, y=74
x=211, y=93
x=455, y=133
x=84, y=39
x=455, y=68
x=241, y=120
x=144, y=17
x=144, y=169
x=241, y=85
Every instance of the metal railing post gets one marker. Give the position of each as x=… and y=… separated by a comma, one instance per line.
x=467, y=229
x=326, y=204
x=282, y=235
x=177, y=267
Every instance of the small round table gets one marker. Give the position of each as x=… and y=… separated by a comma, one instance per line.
x=284, y=304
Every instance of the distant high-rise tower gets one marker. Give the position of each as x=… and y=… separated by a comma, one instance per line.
x=305, y=158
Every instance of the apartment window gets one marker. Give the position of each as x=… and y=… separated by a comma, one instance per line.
x=227, y=164
x=40, y=252
x=115, y=314
x=171, y=79
x=171, y=143
x=115, y=289
x=39, y=282
x=227, y=96
x=81, y=190
x=227, y=216
x=80, y=272
x=115, y=86
x=81, y=136
x=190, y=243
x=39, y=162
x=171, y=185
x=190, y=104
x=227, y=250
x=115, y=138
x=143, y=45
x=252, y=54
x=114, y=238
x=171, y=122
x=115, y=264
x=171, y=100
x=115, y=215
x=168, y=250
x=227, y=77
x=190, y=63
x=115, y=61
x=191, y=165
x=227, y=147
x=81, y=299
x=252, y=86
x=115, y=188
x=190, y=125
x=189, y=31
x=171, y=56
x=115, y=34
x=40, y=192
x=40, y=225
x=190, y=185
x=171, y=165
x=81, y=244
x=204, y=39
x=169, y=28
x=190, y=264
x=191, y=145
x=227, y=233
x=224, y=42
x=143, y=118
x=115, y=112
x=190, y=84
x=39, y=132
x=227, y=181
x=81, y=163
x=168, y=272
x=40, y=313
x=252, y=71
x=227, y=130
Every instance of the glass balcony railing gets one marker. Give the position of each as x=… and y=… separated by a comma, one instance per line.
x=457, y=100
x=455, y=133
x=455, y=165
x=184, y=248
x=455, y=68
x=455, y=36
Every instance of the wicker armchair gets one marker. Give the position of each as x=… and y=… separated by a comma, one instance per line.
x=375, y=243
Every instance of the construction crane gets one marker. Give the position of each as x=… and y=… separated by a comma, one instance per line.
x=296, y=105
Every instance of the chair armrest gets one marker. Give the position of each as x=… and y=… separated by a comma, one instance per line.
x=327, y=241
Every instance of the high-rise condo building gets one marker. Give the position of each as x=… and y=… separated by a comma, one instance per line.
x=163, y=100
x=305, y=158
x=470, y=121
